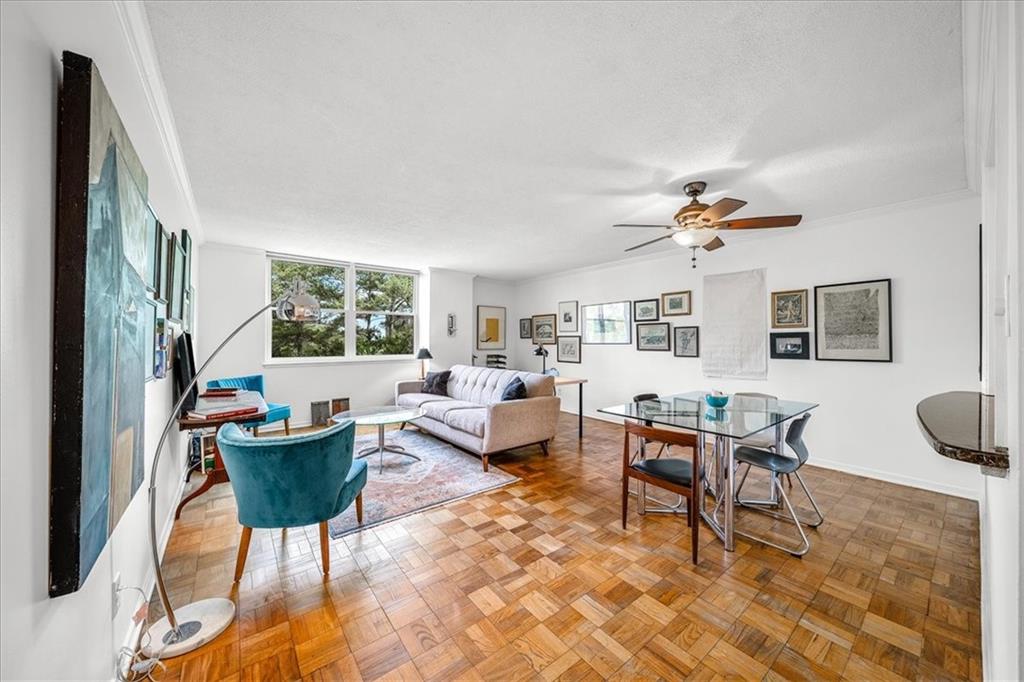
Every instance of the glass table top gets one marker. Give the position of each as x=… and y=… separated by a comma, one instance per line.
x=741, y=418
x=381, y=414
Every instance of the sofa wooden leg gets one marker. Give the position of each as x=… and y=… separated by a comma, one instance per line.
x=544, y=447
x=359, y=508
x=325, y=548
x=484, y=458
x=243, y=552
x=287, y=427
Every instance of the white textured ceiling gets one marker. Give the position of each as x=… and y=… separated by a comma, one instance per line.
x=505, y=139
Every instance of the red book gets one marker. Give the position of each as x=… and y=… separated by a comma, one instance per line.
x=240, y=412
x=220, y=391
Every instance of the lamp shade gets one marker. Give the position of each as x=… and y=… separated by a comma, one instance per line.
x=424, y=354
x=540, y=351
x=298, y=305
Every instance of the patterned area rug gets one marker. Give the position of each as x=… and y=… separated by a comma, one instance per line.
x=407, y=486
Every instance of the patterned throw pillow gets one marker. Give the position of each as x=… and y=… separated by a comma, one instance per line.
x=516, y=390
x=436, y=383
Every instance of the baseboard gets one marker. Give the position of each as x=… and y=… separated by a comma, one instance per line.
x=888, y=477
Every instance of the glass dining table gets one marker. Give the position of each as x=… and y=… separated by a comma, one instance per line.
x=744, y=417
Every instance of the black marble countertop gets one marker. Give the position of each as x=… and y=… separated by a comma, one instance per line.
x=961, y=425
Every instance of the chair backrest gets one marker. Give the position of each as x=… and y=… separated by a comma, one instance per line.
x=287, y=481
x=766, y=396
x=253, y=382
x=641, y=397
x=795, y=437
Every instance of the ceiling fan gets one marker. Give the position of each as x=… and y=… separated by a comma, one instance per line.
x=697, y=223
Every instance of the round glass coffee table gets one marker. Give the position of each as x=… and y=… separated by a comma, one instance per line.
x=380, y=417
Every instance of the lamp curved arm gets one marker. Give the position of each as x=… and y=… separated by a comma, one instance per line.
x=175, y=633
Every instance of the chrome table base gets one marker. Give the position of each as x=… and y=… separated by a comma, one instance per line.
x=381, y=447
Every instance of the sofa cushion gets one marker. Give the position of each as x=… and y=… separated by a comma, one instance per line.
x=417, y=399
x=484, y=385
x=468, y=420
x=437, y=409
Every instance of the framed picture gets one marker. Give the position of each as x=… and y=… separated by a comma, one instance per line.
x=790, y=345
x=187, y=311
x=176, y=278
x=569, y=349
x=490, y=327
x=789, y=308
x=153, y=269
x=653, y=336
x=544, y=329
x=186, y=245
x=687, y=342
x=568, y=317
x=161, y=360
x=645, y=310
x=526, y=327
x=676, y=303
x=607, y=323
x=163, y=245
x=853, y=321
x=150, y=332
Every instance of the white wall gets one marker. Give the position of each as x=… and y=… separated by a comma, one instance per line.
x=866, y=423
x=449, y=291
x=74, y=636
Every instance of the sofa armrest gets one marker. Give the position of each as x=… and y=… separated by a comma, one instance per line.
x=512, y=423
x=412, y=386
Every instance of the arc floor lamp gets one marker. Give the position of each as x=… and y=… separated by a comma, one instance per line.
x=197, y=623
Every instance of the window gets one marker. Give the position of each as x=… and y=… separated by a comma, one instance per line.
x=378, y=320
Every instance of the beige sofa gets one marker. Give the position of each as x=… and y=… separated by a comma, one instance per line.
x=474, y=417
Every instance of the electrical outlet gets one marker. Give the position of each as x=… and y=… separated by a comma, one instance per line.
x=115, y=595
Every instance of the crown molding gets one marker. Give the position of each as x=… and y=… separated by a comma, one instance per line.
x=135, y=26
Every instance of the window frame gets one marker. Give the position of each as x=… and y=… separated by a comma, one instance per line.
x=350, y=311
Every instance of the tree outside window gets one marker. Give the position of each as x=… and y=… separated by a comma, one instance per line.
x=324, y=339
x=384, y=313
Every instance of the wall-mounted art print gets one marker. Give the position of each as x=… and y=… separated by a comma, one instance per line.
x=150, y=332
x=569, y=349
x=607, y=323
x=188, y=311
x=853, y=321
x=676, y=303
x=160, y=358
x=490, y=327
x=687, y=342
x=544, y=329
x=568, y=317
x=526, y=328
x=789, y=309
x=101, y=348
x=153, y=268
x=186, y=246
x=653, y=336
x=163, y=280
x=645, y=310
x=790, y=345
x=175, y=280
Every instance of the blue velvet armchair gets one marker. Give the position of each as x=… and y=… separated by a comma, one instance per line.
x=289, y=481
x=254, y=382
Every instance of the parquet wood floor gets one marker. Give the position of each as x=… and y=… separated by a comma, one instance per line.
x=538, y=581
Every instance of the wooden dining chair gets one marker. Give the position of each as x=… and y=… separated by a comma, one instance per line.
x=669, y=473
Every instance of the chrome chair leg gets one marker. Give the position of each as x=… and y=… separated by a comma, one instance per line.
x=805, y=544
x=821, y=517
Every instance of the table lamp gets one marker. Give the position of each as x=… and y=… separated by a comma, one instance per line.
x=542, y=352
x=201, y=621
x=423, y=355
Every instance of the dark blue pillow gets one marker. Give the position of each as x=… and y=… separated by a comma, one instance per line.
x=437, y=382
x=516, y=390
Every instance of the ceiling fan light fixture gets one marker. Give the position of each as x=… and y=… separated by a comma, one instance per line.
x=695, y=237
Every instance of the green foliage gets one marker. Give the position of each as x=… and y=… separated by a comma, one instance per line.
x=384, y=292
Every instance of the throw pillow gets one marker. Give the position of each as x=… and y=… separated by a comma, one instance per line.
x=516, y=390
x=436, y=383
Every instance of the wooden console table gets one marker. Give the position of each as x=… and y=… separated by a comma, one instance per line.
x=569, y=381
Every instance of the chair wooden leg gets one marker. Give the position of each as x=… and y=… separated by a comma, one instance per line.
x=359, y=508
x=287, y=428
x=625, y=500
x=255, y=431
x=485, y=463
x=694, y=527
x=325, y=548
x=243, y=552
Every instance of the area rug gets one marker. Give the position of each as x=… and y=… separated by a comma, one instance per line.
x=406, y=486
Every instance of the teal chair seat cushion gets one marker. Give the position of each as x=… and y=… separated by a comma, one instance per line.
x=275, y=412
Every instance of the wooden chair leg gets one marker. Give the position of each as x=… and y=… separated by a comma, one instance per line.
x=243, y=552
x=287, y=427
x=694, y=527
x=256, y=431
x=359, y=508
x=325, y=548
x=625, y=499
x=484, y=458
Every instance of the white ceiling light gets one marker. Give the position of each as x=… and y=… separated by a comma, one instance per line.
x=696, y=237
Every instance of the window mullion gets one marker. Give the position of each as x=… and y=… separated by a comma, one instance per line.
x=350, y=311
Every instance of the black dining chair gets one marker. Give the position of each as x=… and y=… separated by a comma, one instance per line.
x=780, y=464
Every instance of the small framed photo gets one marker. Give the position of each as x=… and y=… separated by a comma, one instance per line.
x=676, y=303
x=544, y=329
x=791, y=345
x=568, y=317
x=526, y=327
x=568, y=349
x=687, y=342
x=645, y=310
x=789, y=309
x=653, y=336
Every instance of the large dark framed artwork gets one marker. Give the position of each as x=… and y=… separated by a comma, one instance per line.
x=163, y=247
x=101, y=347
x=186, y=246
x=853, y=321
x=175, y=280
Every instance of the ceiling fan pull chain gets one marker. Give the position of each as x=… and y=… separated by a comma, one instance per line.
x=693, y=256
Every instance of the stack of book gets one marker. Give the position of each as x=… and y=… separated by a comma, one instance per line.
x=225, y=403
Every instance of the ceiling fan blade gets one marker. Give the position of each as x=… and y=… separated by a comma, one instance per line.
x=667, y=227
x=632, y=248
x=715, y=243
x=765, y=221
x=720, y=209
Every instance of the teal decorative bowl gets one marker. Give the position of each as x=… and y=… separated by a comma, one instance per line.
x=716, y=401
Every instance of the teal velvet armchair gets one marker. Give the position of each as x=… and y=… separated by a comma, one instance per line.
x=254, y=382
x=289, y=481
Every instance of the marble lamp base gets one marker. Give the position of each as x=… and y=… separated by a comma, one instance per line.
x=198, y=623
